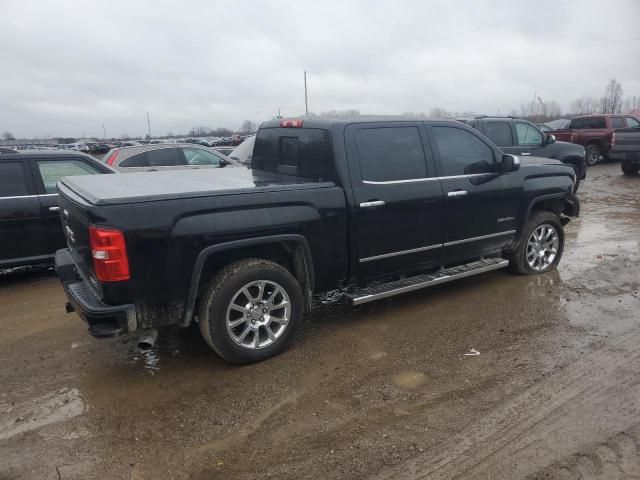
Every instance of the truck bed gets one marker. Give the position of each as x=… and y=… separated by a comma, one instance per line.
x=151, y=186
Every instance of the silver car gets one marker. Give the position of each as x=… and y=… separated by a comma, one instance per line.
x=152, y=158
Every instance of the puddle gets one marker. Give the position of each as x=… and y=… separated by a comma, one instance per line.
x=410, y=379
x=53, y=407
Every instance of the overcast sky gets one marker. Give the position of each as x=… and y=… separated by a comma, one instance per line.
x=68, y=66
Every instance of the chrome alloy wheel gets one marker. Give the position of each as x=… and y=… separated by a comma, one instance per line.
x=258, y=314
x=542, y=247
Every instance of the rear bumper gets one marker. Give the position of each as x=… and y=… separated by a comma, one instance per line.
x=103, y=320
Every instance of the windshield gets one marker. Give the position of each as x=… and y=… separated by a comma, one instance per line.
x=243, y=152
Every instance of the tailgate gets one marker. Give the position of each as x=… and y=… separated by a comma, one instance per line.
x=74, y=215
x=626, y=140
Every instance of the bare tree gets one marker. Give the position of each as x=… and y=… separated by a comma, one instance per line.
x=632, y=103
x=8, y=136
x=584, y=105
x=342, y=114
x=248, y=127
x=200, y=132
x=438, y=112
x=612, y=100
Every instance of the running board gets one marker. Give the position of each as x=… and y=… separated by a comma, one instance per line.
x=418, y=282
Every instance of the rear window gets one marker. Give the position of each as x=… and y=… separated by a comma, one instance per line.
x=304, y=152
x=12, y=181
x=499, y=133
x=589, y=123
x=164, y=157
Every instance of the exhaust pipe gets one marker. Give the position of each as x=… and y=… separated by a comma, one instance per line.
x=148, y=339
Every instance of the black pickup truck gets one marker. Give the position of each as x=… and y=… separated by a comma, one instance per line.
x=374, y=208
x=523, y=138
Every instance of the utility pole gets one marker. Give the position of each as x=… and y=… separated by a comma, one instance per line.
x=306, y=104
x=104, y=132
x=149, y=124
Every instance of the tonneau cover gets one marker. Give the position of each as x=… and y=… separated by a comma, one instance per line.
x=149, y=186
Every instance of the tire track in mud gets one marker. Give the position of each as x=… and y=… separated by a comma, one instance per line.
x=592, y=399
x=618, y=458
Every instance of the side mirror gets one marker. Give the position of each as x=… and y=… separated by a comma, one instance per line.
x=551, y=139
x=509, y=163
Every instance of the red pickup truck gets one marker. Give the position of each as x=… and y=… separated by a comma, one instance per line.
x=595, y=133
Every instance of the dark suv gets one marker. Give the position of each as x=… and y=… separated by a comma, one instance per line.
x=30, y=230
x=519, y=137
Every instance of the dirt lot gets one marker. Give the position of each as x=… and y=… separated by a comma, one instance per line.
x=383, y=391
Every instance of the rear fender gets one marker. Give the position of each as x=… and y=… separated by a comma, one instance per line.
x=300, y=258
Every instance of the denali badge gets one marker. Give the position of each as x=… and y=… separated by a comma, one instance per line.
x=506, y=219
x=70, y=234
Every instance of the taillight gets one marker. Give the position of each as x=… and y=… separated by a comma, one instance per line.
x=112, y=158
x=109, y=253
x=291, y=123
x=613, y=139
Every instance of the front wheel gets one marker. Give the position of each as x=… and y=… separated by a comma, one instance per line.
x=250, y=311
x=541, y=247
x=629, y=168
x=593, y=154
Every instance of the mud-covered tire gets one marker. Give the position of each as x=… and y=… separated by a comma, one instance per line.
x=592, y=154
x=216, y=301
x=629, y=168
x=518, y=262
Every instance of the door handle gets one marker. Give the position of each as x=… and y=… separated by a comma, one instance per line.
x=457, y=193
x=54, y=209
x=372, y=204
x=525, y=154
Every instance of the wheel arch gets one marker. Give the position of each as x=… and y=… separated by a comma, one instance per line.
x=292, y=251
x=562, y=205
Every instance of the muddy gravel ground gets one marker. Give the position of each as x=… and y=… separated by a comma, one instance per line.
x=383, y=391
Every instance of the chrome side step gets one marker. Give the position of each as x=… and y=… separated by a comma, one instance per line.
x=418, y=282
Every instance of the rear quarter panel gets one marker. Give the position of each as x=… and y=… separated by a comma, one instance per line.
x=165, y=237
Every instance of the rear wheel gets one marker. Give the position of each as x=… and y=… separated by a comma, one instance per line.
x=593, y=154
x=250, y=311
x=629, y=168
x=541, y=247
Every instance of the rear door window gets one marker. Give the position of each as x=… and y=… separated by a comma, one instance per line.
x=12, y=180
x=51, y=171
x=499, y=133
x=164, y=157
x=461, y=152
x=139, y=160
x=390, y=153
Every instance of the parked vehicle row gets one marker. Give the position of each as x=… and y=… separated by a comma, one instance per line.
x=374, y=208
